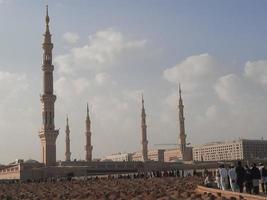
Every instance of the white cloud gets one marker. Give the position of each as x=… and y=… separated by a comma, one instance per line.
x=11, y=84
x=257, y=71
x=228, y=87
x=227, y=106
x=192, y=70
x=80, y=85
x=17, y=109
x=71, y=38
x=66, y=87
x=133, y=95
x=102, y=78
x=100, y=52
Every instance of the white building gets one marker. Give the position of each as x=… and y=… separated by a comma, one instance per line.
x=233, y=150
x=118, y=157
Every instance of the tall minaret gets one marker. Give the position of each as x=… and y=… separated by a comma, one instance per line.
x=48, y=134
x=68, y=153
x=181, y=122
x=88, y=146
x=144, y=133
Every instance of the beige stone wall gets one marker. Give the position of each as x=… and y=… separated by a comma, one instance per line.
x=171, y=155
x=155, y=155
x=12, y=172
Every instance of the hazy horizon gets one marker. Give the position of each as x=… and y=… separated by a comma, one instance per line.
x=107, y=52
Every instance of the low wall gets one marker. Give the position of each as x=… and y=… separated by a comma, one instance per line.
x=229, y=194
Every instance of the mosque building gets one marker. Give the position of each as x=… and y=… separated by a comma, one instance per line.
x=143, y=160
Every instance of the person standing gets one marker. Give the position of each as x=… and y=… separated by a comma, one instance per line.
x=256, y=176
x=232, y=178
x=223, y=176
x=240, y=172
x=263, y=172
x=218, y=179
x=208, y=181
x=248, y=179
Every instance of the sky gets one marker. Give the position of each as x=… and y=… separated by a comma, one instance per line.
x=107, y=53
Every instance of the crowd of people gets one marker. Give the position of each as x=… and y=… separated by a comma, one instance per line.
x=237, y=178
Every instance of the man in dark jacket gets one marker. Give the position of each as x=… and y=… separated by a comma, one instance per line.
x=256, y=176
x=263, y=172
x=240, y=172
x=248, y=180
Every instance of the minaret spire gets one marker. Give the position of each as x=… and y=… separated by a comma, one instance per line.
x=181, y=123
x=88, y=134
x=68, y=153
x=144, y=132
x=48, y=134
x=47, y=19
x=87, y=111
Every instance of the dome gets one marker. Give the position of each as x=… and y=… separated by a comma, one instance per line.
x=31, y=161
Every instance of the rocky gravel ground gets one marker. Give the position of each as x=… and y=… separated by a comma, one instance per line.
x=165, y=188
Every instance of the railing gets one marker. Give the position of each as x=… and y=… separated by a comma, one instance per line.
x=229, y=194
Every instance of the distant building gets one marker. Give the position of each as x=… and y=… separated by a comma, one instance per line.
x=118, y=157
x=234, y=150
x=155, y=155
x=172, y=155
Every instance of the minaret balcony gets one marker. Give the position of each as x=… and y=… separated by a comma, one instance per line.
x=46, y=98
x=47, y=45
x=48, y=67
x=50, y=135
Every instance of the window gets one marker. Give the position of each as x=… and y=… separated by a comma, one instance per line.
x=45, y=117
x=50, y=117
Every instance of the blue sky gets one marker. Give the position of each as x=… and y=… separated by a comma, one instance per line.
x=232, y=30
x=108, y=52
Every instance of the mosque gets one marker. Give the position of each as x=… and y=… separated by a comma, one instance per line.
x=49, y=167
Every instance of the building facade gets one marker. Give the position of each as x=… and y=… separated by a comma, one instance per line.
x=118, y=157
x=48, y=134
x=153, y=155
x=234, y=150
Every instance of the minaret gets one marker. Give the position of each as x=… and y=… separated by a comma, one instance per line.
x=48, y=134
x=88, y=146
x=144, y=133
x=68, y=153
x=181, y=122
